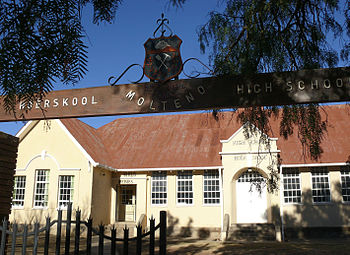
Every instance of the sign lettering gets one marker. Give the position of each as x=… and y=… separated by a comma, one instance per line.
x=300, y=87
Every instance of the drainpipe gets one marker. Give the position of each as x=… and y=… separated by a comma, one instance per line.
x=281, y=203
x=221, y=199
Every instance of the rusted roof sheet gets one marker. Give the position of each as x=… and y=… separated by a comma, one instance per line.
x=182, y=140
x=335, y=145
x=89, y=139
x=193, y=140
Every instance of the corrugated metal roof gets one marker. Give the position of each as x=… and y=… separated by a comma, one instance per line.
x=193, y=140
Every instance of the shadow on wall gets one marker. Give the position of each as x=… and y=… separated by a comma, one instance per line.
x=31, y=216
x=175, y=230
x=315, y=220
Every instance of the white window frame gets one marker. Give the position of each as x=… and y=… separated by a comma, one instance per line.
x=346, y=170
x=16, y=188
x=291, y=176
x=177, y=188
x=46, y=194
x=159, y=174
x=216, y=179
x=319, y=170
x=71, y=196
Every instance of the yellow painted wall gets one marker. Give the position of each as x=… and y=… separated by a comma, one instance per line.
x=47, y=146
x=101, y=196
x=196, y=215
x=334, y=213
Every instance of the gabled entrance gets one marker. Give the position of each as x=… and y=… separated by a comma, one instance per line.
x=251, y=204
x=127, y=203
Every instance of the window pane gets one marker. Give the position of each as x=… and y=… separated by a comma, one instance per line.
x=66, y=190
x=292, y=191
x=41, y=194
x=320, y=185
x=184, y=187
x=19, y=190
x=159, y=188
x=211, y=186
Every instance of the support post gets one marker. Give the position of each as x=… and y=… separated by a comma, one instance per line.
x=68, y=227
x=151, y=235
x=126, y=241
x=162, y=237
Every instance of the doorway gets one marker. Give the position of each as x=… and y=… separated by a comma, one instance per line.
x=251, y=203
x=127, y=203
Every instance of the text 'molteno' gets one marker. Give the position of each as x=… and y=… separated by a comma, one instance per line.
x=300, y=87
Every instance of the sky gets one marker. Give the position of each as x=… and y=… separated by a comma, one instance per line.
x=113, y=47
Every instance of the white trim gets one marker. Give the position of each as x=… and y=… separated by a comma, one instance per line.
x=176, y=191
x=315, y=164
x=17, y=207
x=44, y=155
x=167, y=193
x=301, y=191
x=203, y=199
x=23, y=128
x=248, y=152
x=221, y=198
x=132, y=178
x=330, y=191
x=96, y=164
x=70, y=169
x=168, y=168
x=282, y=202
x=232, y=136
x=76, y=142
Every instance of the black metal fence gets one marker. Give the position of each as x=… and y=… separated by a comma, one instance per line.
x=9, y=238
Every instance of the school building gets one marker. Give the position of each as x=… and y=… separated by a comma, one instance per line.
x=196, y=167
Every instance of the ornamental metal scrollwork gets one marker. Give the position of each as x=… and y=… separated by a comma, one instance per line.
x=162, y=58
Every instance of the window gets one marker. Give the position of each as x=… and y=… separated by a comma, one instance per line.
x=211, y=187
x=291, y=185
x=65, y=190
x=159, y=188
x=345, y=183
x=320, y=185
x=19, y=190
x=184, y=187
x=41, y=194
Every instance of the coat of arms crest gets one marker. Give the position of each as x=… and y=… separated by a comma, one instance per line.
x=163, y=60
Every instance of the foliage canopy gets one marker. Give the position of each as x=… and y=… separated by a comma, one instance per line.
x=42, y=42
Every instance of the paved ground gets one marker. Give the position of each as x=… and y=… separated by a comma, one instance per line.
x=319, y=247
x=190, y=246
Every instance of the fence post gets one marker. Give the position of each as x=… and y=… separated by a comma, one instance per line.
x=14, y=236
x=25, y=235
x=126, y=241
x=113, y=240
x=162, y=237
x=47, y=236
x=100, y=239
x=77, y=232
x=139, y=239
x=68, y=226
x=89, y=236
x=36, y=236
x=58, y=232
x=151, y=235
x=3, y=236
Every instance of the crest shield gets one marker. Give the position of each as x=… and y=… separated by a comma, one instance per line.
x=163, y=60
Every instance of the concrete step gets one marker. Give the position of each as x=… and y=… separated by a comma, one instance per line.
x=252, y=232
